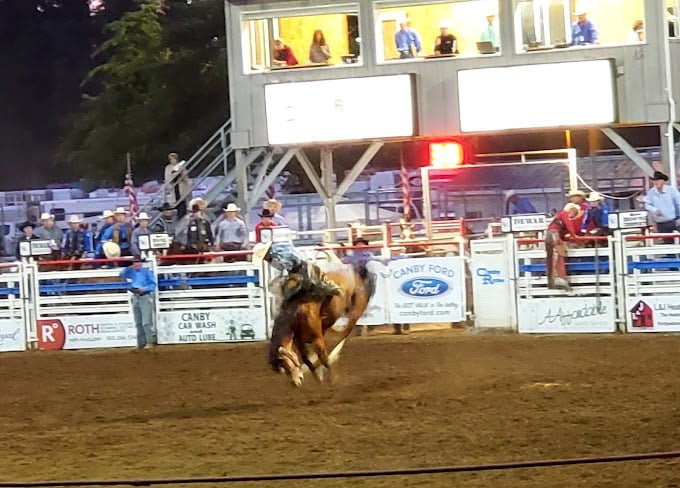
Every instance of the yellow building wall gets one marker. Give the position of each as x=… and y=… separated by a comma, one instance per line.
x=297, y=32
x=613, y=18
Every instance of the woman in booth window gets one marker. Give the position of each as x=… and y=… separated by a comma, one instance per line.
x=319, y=52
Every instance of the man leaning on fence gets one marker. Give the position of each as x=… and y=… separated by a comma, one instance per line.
x=663, y=204
x=141, y=284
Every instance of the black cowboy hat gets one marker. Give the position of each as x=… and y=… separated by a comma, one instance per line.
x=164, y=207
x=23, y=225
x=658, y=175
x=361, y=240
x=266, y=213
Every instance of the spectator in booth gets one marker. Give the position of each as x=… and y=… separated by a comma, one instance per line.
x=141, y=283
x=490, y=33
x=565, y=225
x=120, y=232
x=283, y=54
x=50, y=232
x=597, y=216
x=583, y=31
x=199, y=236
x=267, y=222
x=638, y=32
x=274, y=206
x=109, y=220
x=141, y=230
x=76, y=242
x=445, y=43
x=177, y=184
x=407, y=41
x=166, y=223
x=578, y=197
x=27, y=229
x=520, y=205
x=319, y=52
x=231, y=231
x=663, y=204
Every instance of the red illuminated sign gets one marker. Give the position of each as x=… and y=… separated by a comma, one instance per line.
x=446, y=154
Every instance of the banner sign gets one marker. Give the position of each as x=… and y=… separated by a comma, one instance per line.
x=628, y=220
x=87, y=332
x=567, y=314
x=524, y=223
x=653, y=314
x=425, y=290
x=376, y=312
x=12, y=335
x=202, y=326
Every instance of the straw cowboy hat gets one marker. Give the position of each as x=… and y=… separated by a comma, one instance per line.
x=594, y=197
x=46, y=216
x=74, y=219
x=202, y=204
x=111, y=250
x=143, y=216
x=232, y=207
x=272, y=201
x=572, y=206
x=120, y=211
x=576, y=193
x=260, y=250
x=106, y=214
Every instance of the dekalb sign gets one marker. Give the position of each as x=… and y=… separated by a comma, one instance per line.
x=524, y=223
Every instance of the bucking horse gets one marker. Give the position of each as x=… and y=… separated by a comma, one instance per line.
x=312, y=297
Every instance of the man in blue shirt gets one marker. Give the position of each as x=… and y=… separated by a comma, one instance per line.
x=141, y=284
x=597, y=215
x=407, y=41
x=583, y=31
x=663, y=204
x=359, y=257
x=520, y=205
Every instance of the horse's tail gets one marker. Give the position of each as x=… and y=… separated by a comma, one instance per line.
x=283, y=324
x=368, y=279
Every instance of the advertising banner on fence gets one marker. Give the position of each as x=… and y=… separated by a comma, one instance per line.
x=12, y=335
x=87, y=332
x=201, y=326
x=653, y=314
x=566, y=315
x=426, y=290
x=376, y=313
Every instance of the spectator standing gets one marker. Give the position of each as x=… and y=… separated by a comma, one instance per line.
x=583, y=31
x=319, y=52
x=109, y=220
x=28, y=235
x=120, y=232
x=490, y=33
x=407, y=41
x=638, y=32
x=445, y=43
x=283, y=54
x=75, y=242
x=274, y=206
x=141, y=284
x=597, y=216
x=566, y=224
x=663, y=204
x=166, y=222
x=520, y=205
x=141, y=230
x=177, y=184
x=50, y=232
x=231, y=231
x=267, y=222
x=199, y=234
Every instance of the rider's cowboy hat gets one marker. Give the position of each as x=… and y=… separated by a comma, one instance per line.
x=107, y=214
x=111, y=250
x=46, y=216
x=74, y=219
x=594, y=197
x=260, y=251
x=232, y=207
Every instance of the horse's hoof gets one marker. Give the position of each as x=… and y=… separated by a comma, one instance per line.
x=297, y=378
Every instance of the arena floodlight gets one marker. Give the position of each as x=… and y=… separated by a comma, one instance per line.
x=446, y=155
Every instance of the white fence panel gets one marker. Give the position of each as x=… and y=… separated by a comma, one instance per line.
x=12, y=302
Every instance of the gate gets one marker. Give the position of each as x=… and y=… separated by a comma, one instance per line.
x=12, y=301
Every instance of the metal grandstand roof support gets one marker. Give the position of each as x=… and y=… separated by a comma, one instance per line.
x=308, y=168
x=628, y=150
x=268, y=179
x=264, y=167
x=354, y=173
x=329, y=185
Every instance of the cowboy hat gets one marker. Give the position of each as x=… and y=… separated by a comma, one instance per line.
x=361, y=240
x=579, y=11
x=202, y=204
x=46, y=216
x=120, y=211
x=266, y=213
x=594, y=197
x=232, y=207
x=26, y=224
x=510, y=193
x=658, y=175
x=576, y=193
x=271, y=201
x=106, y=214
x=143, y=216
x=164, y=207
x=444, y=24
x=573, y=206
x=260, y=250
x=111, y=250
x=74, y=219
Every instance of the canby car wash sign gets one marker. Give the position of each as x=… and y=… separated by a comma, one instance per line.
x=423, y=290
x=200, y=326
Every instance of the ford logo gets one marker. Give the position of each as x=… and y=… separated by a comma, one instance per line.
x=424, y=287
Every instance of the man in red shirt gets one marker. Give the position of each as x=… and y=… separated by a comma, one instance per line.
x=265, y=223
x=283, y=54
x=579, y=198
x=565, y=224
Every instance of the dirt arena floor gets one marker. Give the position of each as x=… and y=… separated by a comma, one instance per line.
x=426, y=399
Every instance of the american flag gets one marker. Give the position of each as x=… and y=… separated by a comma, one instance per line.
x=405, y=188
x=132, y=196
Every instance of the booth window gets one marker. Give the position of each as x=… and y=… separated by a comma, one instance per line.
x=672, y=10
x=553, y=24
x=301, y=38
x=430, y=29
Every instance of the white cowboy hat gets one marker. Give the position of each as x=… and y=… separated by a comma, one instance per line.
x=572, y=206
x=74, y=219
x=106, y=214
x=143, y=216
x=111, y=250
x=271, y=201
x=445, y=24
x=594, y=197
x=46, y=216
x=579, y=11
x=119, y=211
x=232, y=207
x=260, y=250
x=510, y=193
x=202, y=204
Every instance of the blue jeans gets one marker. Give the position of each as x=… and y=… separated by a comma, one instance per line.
x=142, y=308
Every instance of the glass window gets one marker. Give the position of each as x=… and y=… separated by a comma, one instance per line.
x=442, y=29
x=672, y=9
x=301, y=38
x=549, y=24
